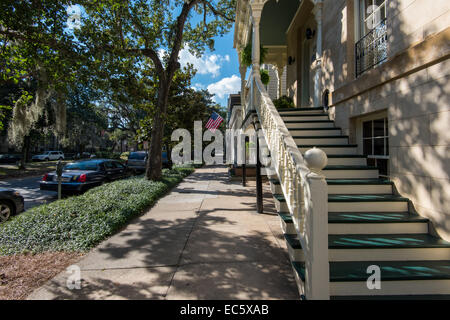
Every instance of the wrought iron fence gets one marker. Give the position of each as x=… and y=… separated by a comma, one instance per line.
x=371, y=50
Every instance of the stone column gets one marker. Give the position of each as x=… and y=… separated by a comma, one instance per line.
x=318, y=75
x=256, y=18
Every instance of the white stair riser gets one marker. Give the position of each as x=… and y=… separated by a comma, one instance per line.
x=281, y=206
x=360, y=189
x=295, y=254
x=347, y=161
x=388, y=254
x=319, y=141
x=310, y=125
x=305, y=118
x=377, y=228
x=288, y=228
x=302, y=133
x=332, y=150
x=275, y=188
x=283, y=113
x=394, y=206
x=405, y=287
x=299, y=282
x=351, y=174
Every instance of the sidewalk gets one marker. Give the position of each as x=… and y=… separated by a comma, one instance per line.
x=204, y=240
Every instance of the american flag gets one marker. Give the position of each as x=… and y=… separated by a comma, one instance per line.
x=214, y=122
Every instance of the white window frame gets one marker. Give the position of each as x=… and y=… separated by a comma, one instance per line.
x=359, y=134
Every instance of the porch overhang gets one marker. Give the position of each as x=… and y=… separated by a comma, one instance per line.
x=276, y=17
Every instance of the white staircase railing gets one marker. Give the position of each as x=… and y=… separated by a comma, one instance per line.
x=303, y=185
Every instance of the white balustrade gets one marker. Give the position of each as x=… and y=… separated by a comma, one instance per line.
x=303, y=185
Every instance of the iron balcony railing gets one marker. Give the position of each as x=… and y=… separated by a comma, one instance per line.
x=371, y=50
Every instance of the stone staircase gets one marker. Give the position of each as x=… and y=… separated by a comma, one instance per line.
x=369, y=224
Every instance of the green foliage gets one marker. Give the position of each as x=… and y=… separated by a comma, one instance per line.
x=79, y=223
x=108, y=155
x=124, y=155
x=246, y=57
x=264, y=76
x=284, y=102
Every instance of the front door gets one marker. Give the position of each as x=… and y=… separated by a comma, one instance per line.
x=306, y=66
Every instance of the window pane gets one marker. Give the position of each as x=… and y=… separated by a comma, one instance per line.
x=367, y=129
x=387, y=146
x=378, y=128
x=382, y=165
x=371, y=162
x=378, y=148
x=386, y=127
x=367, y=146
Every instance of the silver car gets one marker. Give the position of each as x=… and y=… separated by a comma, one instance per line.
x=137, y=160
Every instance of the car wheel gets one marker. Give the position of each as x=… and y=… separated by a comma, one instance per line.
x=60, y=158
x=6, y=211
x=46, y=159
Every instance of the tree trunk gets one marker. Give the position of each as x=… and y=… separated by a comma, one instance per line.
x=154, y=159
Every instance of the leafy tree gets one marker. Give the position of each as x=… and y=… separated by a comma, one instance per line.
x=39, y=56
x=155, y=30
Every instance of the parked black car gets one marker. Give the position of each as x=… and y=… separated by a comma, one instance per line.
x=10, y=158
x=11, y=203
x=82, y=175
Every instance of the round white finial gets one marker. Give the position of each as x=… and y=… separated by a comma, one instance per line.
x=316, y=159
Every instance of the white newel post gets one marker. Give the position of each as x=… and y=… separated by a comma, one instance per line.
x=317, y=261
x=318, y=11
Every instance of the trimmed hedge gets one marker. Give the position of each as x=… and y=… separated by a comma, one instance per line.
x=80, y=223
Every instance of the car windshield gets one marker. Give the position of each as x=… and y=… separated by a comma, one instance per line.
x=137, y=156
x=88, y=166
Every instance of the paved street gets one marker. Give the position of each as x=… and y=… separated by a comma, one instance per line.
x=29, y=189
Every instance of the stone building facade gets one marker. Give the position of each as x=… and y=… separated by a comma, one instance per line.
x=382, y=67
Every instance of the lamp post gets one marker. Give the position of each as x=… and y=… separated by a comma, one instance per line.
x=259, y=193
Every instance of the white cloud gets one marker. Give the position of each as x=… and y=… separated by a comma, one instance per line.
x=225, y=86
x=206, y=64
x=198, y=86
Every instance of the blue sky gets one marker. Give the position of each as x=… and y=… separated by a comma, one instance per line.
x=217, y=71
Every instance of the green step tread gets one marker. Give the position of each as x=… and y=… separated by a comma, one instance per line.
x=377, y=241
x=345, y=156
x=395, y=297
x=309, y=121
x=320, y=137
x=305, y=115
x=299, y=109
x=343, y=167
x=327, y=145
x=358, y=182
x=350, y=271
x=348, y=182
x=373, y=241
x=374, y=217
x=365, y=198
x=356, y=198
x=366, y=217
x=315, y=129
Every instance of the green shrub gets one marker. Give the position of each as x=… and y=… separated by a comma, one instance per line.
x=124, y=155
x=265, y=77
x=284, y=102
x=246, y=57
x=79, y=223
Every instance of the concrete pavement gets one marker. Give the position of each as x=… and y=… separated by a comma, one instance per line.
x=204, y=240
